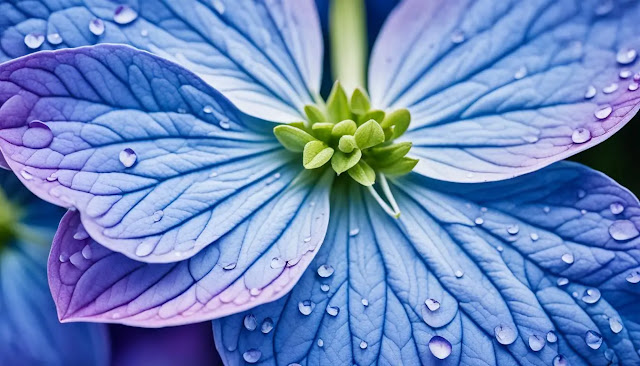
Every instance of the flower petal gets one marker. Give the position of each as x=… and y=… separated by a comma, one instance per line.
x=441, y=283
x=30, y=334
x=157, y=162
x=257, y=262
x=265, y=57
x=500, y=90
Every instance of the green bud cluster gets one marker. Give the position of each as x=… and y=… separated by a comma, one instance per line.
x=352, y=136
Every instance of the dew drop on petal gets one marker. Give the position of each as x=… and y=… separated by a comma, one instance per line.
x=603, y=112
x=333, y=310
x=505, y=335
x=353, y=232
x=267, y=326
x=26, y=175
x=621, y=230
x=124, y=15
x=567, y=258
x=229, y=266
x=459, y=274
x=626, y=56
x=63, y=258
x=320, y=343
x=616, y=208
x=128, y=157
x=536, y=342
x=54, y=38
x=500, y=248
x=277, y=263
x=580, y=136
x=552, y=337
x=33, y=40
x=144, y=33
x=306, y=307
x=546, y=209
x=560, y=360
x=325, y=271
x=440, y=347
x=218, y=5
x=591, y=296
x=96, y=26
x=633, y=277
x=591, y=92
x=207, y=109
x=224, y=124
x=513, y=229
x=633, y=86
x=157, y=216
x=479, y=221
x=325, y=287
x=615, y=325
x=593, y=339
x=363, y=345
x=521, y=73
x=250, y=322
x=432, y=304
x=562, y=281
x=457, y=37
x=252, y=356
x=625, y=74
x=611, y=88
x=37, y=136
x=145, y=248
x=534, y=236
x=365, y=302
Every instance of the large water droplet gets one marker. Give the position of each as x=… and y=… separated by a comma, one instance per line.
x=615, y=325
x=513, y=229
x=479, y=221
x=158, y=215
x=567, y=258
x=432, y=304
x=250, y=322
x=622, y=230
x=559, y=360
x=252, y=356
x=267, y=325
x=593, y=339
x=365, y=302
x=610, y=88
x=626, y=56
x=363, y=345
x=580, y=136
x=33, y=40
x=325, y=271
x=333, y=310
x=552, y=337
x=306, y=307
x=536, y=342
x=440, y=347
x=562, y=281
x=603, y=112
x=96, y=26
x=37, y=136
x=277, y=263
x=591, y=296
x=591, y=92
x=54, y=38
x=616, y=208
x=505, y=335
x=124, y=15
x=633, y=86
x=128, y=157
x=633, y=277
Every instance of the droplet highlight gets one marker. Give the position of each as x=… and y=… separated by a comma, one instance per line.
x=440, y=347
x=124, y=15
x=622, y=230
x=33, y=40
x=128, y=157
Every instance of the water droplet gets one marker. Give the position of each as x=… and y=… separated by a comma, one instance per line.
x=325, y=288
x=365, y=302
x=353, y=232
x=306, y=307
x=254, y=291
x=218, y=5
x=593, y=339
x=252, y=356
x=440, y=347
x=622, y=230
x=54, y=38
x=500, y=248
x=633, y=277
x=513, y=229
x=307, y=239
x=521, y=73
x=559, y=360
x=124, y=15
x=52, y=178
x=320, y=343
x=591, y=296
x=479, y=221
x=26, y=175
x=96, y=26
x=267, y=325
x=591, y=92
x=33, y=40
x=610, y=88
x=63, y=258
x=534, y=236
x=87, y=253
x=333, y=310
x=128, y=157
x=229, y=266
x=552, y=337
x=325, y=271
x=224, y=124
x=625, y=74
x=277, y=263
x=432, y=304
x=37, y=136
x=633, y=86
x=603, y=112
x=626, y=56
x=457, y=37
x=505, y=335
x=459, y=274
x=250, y=322
x=157, y=216
x=207, y=109
x=567, y=258
x=145, y=248
x=536, y=342
x=546, y=209
x=616, y=208
x=580, y=136
x=615, y=325
x=363, y=345
x=562, y=281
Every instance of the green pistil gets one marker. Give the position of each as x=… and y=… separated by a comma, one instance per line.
x=351, y=137
x=9, y=216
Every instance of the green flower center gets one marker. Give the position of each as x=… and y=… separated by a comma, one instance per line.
x=351, y=137
x=9, y=216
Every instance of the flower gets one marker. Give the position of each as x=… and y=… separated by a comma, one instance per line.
x=194, y=210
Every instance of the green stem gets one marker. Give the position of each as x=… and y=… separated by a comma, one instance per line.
x=347, y=23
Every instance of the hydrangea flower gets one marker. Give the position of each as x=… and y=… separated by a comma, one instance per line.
x=204, y=180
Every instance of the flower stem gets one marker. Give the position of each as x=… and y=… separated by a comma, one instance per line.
x=348, y=42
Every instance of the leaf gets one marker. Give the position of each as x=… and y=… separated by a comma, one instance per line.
x=363, y=174
x=314, y=114
x=338, y=104
x=369, y=134
x=346, y=127
x=360, y=102
x=292, y=138
x=341, y=162
x=400, y=167
x=316, y=154
x=391, y=153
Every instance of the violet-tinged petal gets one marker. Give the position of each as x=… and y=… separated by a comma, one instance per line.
x=497, y=90
x=158, y=163
x=232, y=274
x=264, y=56
x=499, y=303
x=30, y=333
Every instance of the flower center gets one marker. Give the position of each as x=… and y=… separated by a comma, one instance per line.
x=9, y=215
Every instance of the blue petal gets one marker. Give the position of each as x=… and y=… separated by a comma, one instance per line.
x=463, y=264
x=266, y=58
x=498, y=90
x=258, y=261
x=157, y=162
x=30, y=333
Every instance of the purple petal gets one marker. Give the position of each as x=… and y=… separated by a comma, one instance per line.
x=499, y=90
x=265, y=57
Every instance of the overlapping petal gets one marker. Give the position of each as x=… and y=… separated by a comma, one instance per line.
x=30, y=334
x=534, y=270
x=500, y=89
x=158, y=163
x=265, y=56
x=257, y=262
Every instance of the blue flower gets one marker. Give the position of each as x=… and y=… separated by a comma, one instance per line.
x=205, y=180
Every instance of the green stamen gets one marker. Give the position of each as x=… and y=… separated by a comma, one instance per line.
x=9, y=218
